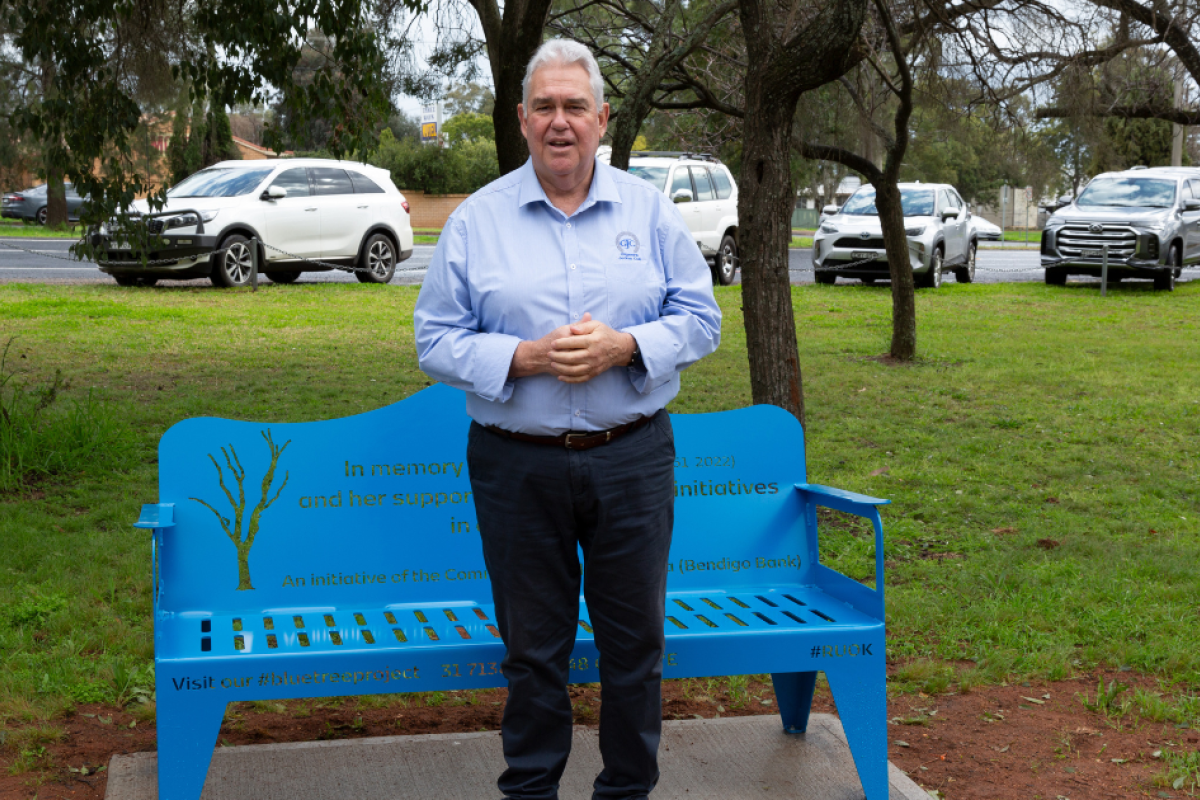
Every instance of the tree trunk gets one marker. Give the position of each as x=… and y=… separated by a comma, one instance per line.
x=56, y=197
x=243, y=553
x=765, y=200
x=792, y=46
x=895, y=242
x=512, y=37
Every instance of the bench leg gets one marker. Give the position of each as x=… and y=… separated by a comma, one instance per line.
x=860, y=692
x=794, y=693
x=188, y=723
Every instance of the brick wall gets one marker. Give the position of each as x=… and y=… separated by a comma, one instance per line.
x=431, y=210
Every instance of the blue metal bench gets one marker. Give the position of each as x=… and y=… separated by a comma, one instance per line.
x=343, y=558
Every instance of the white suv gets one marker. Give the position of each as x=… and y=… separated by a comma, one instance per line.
x=305, y=208
x=707, y=196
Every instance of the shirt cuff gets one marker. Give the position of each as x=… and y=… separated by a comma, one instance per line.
x=492, y=361
x=658, y=349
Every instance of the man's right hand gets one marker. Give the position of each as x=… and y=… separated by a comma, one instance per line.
x=533, y=357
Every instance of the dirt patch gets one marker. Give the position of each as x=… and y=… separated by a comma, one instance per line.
x=1028, y=741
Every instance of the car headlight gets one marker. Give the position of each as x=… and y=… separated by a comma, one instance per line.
x=1151, y=226
x=827, y=228
x=189, y=220
x=916, y=230
x=1054, y=222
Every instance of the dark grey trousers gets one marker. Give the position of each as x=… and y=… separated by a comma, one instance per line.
x=538, y=507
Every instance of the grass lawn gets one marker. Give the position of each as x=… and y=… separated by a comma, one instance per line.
x=38, y=231
x=1021, y=236
x=1042, y=458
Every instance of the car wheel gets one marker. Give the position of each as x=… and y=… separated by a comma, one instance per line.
x=1165, y=281
x=378, y=259
x=826, y=277
x=966, y=273
x=727, y=261
x=932, y=279
x=868, y=281
x=291, y=276
x=232, y=268
x=42, y=215
x=1056, y=276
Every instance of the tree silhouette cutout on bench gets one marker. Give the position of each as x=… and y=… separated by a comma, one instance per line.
x=239, y=504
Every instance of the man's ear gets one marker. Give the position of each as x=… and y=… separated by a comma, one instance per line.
x=603, y=119
x=521, y=118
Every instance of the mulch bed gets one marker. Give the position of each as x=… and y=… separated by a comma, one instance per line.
x=1016, y=741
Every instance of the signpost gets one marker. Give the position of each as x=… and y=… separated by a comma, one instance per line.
x=431, y=122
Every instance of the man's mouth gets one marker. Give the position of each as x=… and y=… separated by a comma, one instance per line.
x=560, y=144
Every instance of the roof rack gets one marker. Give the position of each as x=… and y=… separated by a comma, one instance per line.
x=681, y=154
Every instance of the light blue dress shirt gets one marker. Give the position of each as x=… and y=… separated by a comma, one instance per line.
x=509, y=266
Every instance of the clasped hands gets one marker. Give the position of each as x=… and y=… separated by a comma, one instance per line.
x=573, y=353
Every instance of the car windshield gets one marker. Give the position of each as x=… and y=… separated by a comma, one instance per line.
x=220, y=183
x=1129, y=193
x=655, y=175
x=916, y=203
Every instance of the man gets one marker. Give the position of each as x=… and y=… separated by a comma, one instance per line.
x=565, y=298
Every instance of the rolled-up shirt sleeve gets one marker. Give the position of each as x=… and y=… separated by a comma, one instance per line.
x=689, y=327
x=451, y=347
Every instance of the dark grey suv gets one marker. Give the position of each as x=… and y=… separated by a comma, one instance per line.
x=31, y=204
x=1149, y=219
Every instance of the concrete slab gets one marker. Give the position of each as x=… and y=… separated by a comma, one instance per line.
x=735, y=758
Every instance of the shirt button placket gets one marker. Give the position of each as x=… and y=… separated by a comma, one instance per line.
x=574, y=299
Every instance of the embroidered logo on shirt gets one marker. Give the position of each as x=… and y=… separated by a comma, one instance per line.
x=627, y=246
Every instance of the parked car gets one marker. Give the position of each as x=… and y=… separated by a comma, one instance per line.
x=707, y=197
x=985, y=230
x=1149, y=219
x=31, y=204
x=339, y=212
x=849, y=244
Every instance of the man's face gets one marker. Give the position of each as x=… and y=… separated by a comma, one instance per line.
x=562, y=124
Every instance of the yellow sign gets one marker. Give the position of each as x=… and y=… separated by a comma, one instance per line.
x=429, y=130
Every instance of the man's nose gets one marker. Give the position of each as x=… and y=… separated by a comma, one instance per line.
x=560, y=118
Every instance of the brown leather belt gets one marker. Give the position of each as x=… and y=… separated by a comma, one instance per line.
x=574, y=440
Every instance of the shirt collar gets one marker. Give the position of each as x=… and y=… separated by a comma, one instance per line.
x=602, y=190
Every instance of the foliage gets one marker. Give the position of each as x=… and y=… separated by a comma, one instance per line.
x=470, y=97
x=466, y=166
x=198, y=141
x=96, y=54
x=468, y=126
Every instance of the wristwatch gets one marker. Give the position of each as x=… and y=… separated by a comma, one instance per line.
x=635, y=360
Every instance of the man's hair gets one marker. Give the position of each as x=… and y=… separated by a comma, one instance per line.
x=562, y=53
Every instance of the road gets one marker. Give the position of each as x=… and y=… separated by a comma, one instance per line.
x=45, y=264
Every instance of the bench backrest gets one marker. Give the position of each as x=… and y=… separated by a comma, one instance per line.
x=376, y=509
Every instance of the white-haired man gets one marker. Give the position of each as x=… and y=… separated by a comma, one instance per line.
x=565, y=298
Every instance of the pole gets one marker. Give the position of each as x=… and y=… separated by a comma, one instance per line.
x=1003, y=207
x=1177, y=130
x=254, y=264
x=1104, y=274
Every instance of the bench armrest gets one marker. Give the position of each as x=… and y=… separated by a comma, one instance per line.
x=158, y=517
x=860, y=505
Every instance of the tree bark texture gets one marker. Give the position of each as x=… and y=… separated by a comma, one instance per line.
x=791, y=47
x=512, y=37
x=895, y=243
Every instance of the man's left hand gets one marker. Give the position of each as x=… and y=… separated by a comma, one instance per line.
x=591, y=349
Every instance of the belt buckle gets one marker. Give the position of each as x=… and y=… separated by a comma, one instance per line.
x=567, y=439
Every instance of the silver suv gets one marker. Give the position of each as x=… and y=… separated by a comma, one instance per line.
x=849, y=243
x=1149, y=219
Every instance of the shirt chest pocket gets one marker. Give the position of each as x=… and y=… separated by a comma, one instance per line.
x=635, y=285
